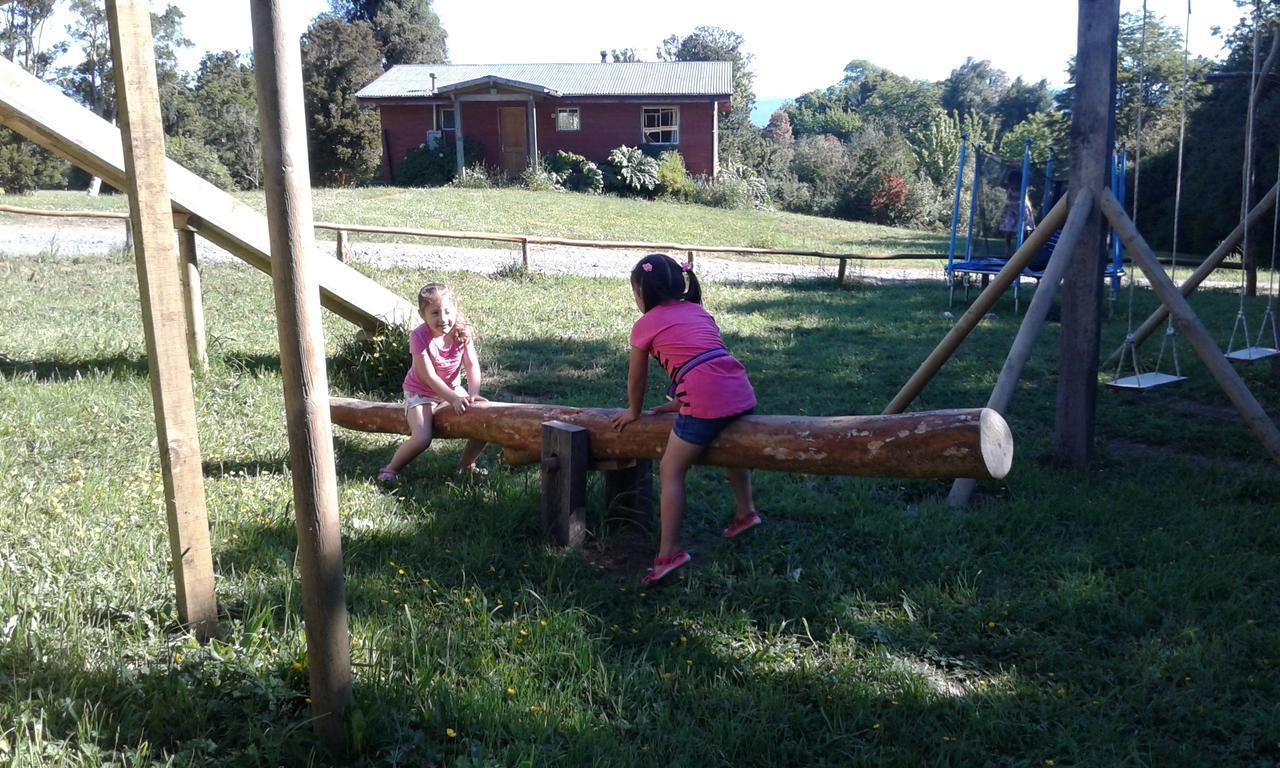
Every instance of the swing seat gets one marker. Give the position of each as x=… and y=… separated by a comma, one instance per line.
x=1252, y=354
x=1143, y=382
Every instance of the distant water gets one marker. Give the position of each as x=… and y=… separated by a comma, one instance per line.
x=765, y=108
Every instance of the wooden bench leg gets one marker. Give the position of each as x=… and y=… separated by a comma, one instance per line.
x=564, y=483
x=628, y=494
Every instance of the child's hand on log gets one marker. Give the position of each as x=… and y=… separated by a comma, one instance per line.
x=622, y=418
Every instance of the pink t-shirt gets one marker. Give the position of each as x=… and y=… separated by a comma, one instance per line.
x=677, y=332
x=446, y=361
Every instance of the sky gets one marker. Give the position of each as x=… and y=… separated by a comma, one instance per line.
x=795, y=51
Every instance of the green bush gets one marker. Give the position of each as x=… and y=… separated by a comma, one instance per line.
x=200, y=159
x=477, y=176
x=25, y=167
x=631, y=171
x=575, y=172
x=734, y=188
x=423, y=167
x=372, y=366
x=537, y=178
x=673, y=176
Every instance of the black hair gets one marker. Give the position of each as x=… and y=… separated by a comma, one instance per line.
x=659, y=279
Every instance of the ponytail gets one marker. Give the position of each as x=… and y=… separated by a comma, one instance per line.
x=659, y=279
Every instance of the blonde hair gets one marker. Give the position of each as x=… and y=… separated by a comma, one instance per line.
x=433, y=294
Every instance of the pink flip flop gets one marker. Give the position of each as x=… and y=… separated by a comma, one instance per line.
x=662, y=567
x=388, y=476
x=744, y=524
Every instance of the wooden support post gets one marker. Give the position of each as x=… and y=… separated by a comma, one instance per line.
x=128, y=236
x=1032, y=323
x=564, y=483
x=160, y=287
x=342, y=251
x=689, y=259
x=1092, y=137
x=524, y=253
x=1029, y=249
x=278, y=72
x=457, y=136
x=628, y=493
x=840, y=274
x=192, y=300
x=1255, y=417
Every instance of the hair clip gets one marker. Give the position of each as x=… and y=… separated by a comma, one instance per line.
x=647, y=267
x=685, y=267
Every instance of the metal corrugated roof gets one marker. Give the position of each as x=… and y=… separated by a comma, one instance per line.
x=648, y=78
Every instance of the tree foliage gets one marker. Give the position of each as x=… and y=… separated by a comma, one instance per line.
x=25, y=167
x=719, y=44
x=225, y=99
x=338, y=59
x=974, y=86
x=407, y=31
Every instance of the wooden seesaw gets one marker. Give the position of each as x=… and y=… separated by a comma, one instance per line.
x=568, y=442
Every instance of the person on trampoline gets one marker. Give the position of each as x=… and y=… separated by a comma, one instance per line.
x=1009, y=214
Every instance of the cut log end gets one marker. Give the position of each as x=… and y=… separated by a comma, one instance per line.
x=997, y=443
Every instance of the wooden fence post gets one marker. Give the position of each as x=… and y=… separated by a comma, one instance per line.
x=278, y=74
x=524, y=253
x=564, y=483
x=129, y=22
x=342, y=249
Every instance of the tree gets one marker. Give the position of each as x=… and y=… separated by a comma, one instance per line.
x=624, y=55
x=1021, y=100
x=225, y=99
x=974, y=86
x=339, y=58
x=22, y=35
x=407, y=31
x=24, y=166
x=718, y=44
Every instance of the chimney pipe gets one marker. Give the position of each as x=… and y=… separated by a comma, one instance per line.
x=604, y=57
x=433, y=82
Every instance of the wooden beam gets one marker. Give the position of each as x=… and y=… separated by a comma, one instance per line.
x=1032, y=323
x=1092, y=138
x=278, y=73
x=1000, y=283
x=1255, y=417
x=943, y=444
x=457, y=136
x=564, y=483
x=42, y=114
x=163, y=322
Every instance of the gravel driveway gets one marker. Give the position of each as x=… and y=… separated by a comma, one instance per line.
x=97, y=238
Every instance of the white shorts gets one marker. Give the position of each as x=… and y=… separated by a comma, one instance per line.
x=413, y=400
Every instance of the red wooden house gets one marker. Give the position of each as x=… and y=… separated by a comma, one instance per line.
x=519, y=112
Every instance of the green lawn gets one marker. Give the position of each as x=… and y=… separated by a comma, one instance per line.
x=562, y=214
x=1122, y=615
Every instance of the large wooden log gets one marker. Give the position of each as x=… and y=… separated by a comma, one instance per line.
x=973, y=442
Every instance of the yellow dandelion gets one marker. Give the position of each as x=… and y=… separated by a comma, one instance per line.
x=511, y=691
x=524, y=633
x=684, y=640
x=666, y=675
x=542, y=622
x=875, y=727
x=177, y=658
x=688, y=662
x=466, y=601
x=450, y=733
x=400, y=572
x=535, y=709
x=296, y=666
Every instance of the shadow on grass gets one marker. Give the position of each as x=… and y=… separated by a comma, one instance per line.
x=52, y=371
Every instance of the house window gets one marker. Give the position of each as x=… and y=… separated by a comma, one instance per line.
x=661, y=125
x=446, y=119
x=568, y=119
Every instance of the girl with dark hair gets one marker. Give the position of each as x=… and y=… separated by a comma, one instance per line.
x=709, y=389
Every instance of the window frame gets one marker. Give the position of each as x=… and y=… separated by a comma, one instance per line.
x=674, y=128
x=441, y=121
x=577, y=112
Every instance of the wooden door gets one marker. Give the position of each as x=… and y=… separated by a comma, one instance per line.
x=513, y=136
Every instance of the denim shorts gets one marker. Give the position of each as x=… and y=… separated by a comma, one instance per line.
x=696, y=431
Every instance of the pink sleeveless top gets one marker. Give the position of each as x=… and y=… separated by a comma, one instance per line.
x=677, y=332
x=447, y=363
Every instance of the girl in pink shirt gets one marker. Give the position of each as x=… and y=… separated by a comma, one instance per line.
x=709, y=389
x=441, y=349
